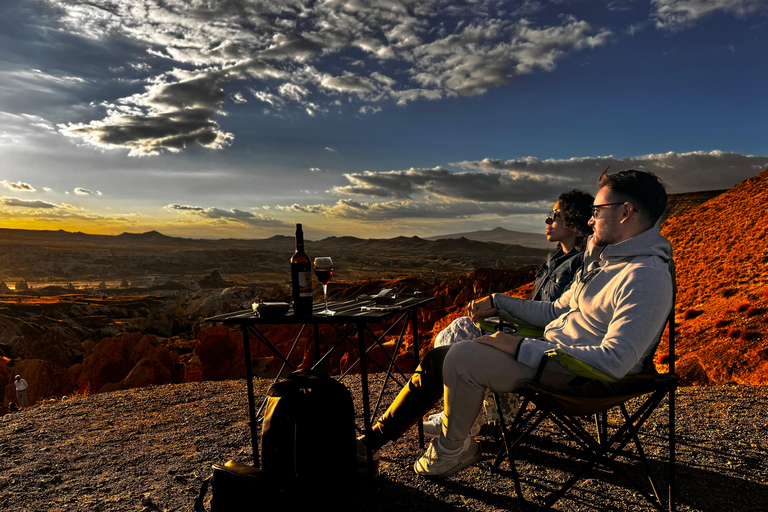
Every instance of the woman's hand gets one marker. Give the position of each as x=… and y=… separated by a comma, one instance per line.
x=481, y=308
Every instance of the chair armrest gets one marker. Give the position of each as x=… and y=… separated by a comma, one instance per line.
x=578, y=367
x=506, y=320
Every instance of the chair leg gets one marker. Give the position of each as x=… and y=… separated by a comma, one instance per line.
x=672, y=458
x=508, y=446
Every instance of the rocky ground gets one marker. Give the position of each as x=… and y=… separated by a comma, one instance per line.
x=150, y=449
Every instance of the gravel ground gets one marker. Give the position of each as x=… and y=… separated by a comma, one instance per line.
x=149, y=449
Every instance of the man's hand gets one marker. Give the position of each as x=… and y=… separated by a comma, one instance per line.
x=481, y=308
x=505, y=342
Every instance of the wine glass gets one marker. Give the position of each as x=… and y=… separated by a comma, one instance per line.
x=324, y=271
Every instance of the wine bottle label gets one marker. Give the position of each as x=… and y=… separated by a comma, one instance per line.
x=305, y=284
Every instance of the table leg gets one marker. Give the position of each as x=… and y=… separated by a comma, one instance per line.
x=364, y=385
x=317, y=345
x=251, y=398
x=416, y=357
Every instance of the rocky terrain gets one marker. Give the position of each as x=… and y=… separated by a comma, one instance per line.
x=722, y=277
x=149, y=449
x=90, y=341
x=153, y=258
x=121, y=377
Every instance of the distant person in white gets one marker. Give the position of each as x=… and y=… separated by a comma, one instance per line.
x=21, y=391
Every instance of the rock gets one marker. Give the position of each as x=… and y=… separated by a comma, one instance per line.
x=147, y=372
x=213, y=280
x=691, y=371
x=217, y=351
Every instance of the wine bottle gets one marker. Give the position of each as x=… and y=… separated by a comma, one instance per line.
x=301, y=277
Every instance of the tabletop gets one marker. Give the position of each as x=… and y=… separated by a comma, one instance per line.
x=362, y=309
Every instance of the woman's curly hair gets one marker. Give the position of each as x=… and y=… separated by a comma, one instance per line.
x=576, y=210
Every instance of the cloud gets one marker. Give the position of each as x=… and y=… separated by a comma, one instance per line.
x=15, y=202
x=677, y=14
x=530, y=179
x=234, y=215
x=202, y=61
x=393, y=210
x=20, y=186
x=682, y=172
x=482, y=186
x=85, y=192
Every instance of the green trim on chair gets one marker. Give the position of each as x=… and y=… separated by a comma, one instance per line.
x=578, y=367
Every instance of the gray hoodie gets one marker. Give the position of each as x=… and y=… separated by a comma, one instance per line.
x=613, y=312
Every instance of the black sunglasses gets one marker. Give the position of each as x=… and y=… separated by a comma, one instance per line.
x=595, y=208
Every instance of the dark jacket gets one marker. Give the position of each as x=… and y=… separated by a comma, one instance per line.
x=556, y=274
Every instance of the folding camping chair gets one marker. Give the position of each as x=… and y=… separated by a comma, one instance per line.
x=585, y=420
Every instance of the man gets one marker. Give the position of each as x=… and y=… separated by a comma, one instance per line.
x=610, y=317
x=21, y=391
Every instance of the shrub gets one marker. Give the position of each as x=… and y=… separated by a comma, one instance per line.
x=691, y=313
x=722, y=322
x=749, y=335
x=753, y=311
x=734, y=333
x=730, y=292
x=743, y=307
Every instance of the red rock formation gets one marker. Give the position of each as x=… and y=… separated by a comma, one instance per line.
x=112, y=359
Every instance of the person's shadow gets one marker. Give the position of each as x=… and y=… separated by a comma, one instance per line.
x=705, y=486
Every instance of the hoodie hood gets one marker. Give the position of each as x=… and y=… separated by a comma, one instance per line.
x=648, y=243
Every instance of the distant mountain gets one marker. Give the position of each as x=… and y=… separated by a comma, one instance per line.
x=45, y=255
x=502, y=236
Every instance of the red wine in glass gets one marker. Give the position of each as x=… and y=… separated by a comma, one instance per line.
x=324, y=276
x=324, y=271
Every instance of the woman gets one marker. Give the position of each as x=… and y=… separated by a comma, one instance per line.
x=567, y=224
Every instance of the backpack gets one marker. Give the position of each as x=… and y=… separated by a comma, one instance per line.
x=308, y=435
x=237, y=487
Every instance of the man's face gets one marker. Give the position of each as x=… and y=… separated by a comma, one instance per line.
x=605, y=219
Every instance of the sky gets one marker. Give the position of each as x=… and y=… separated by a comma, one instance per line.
x=367, y=118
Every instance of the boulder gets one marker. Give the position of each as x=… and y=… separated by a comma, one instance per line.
x=147, y=372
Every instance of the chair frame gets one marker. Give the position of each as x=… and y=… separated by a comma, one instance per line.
x=605, y=444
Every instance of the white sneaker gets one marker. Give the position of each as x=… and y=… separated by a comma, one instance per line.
x=433, y=427
x=437, y=462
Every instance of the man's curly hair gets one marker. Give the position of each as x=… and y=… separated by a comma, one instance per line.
x=576, y=210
